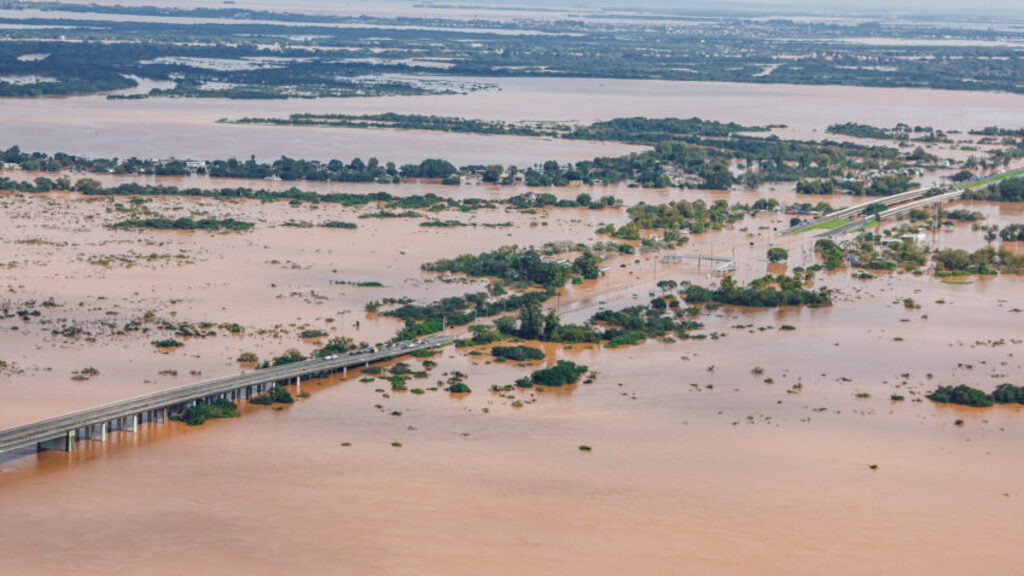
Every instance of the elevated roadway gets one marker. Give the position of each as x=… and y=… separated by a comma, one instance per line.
x=61, y=432
x=858, y=209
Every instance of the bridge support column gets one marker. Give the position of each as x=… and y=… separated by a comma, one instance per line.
x=134, y=423
x=344, y=372
x=298, y=385
x=65, y=443
x=95, y=432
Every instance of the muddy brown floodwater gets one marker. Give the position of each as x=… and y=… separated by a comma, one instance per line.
x=187, y=128
x=754, y=450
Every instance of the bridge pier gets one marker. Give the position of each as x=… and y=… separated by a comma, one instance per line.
x=344, y=371
x=65, y=443
x=96, y=432
x=298, y=385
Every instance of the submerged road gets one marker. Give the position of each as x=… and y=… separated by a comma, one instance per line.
x=62, y=431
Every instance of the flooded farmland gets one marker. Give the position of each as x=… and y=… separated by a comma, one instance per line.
x=187, y=128
x=694, y=457
x=749, y=449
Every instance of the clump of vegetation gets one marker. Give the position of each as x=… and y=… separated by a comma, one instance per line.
x=1010, y=190
x=769, y=291
x=777, y=254
x=200, y=413
x=517, y=353
x=509, y=263
x=311, y=334
x=632, y=325
x=561, y=374
x=336, y=224
x=167, y=343
x=207, y=224
x=275, y=395
x=338, y=345
x=962, y=394
x=482, y=334
x=676, y=218
x=289, y=357
x=985, y=261
x=248, y=358
x=831, y=253
x=1008, y=394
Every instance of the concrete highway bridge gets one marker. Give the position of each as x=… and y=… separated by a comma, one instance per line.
x=900, y=204
x=61, y=433
x=859, y=209
x=896, y=211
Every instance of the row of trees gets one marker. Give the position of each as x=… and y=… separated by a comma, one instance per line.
x=1010, y=190
x=769, y=291
x=986, y=260
x=512, y=263
x=967, y=396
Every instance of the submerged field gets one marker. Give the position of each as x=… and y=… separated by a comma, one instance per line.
x=732, y=446
x=789, y=440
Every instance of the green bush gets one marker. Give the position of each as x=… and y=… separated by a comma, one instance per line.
x=964, y=395
x=289, y=357
x=221, y=408
x=777, y=254
x=563, y=373
x=276, y=395
x=1008, y=394
x=517, y=353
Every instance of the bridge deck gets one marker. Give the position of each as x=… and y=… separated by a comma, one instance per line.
x=859, y=208
x=902, y=209
x=54, y=428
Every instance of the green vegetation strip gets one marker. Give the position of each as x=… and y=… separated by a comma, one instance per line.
x=830, y=224
x=994, y=179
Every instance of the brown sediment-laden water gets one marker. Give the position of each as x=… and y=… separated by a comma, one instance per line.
x=753, y=450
